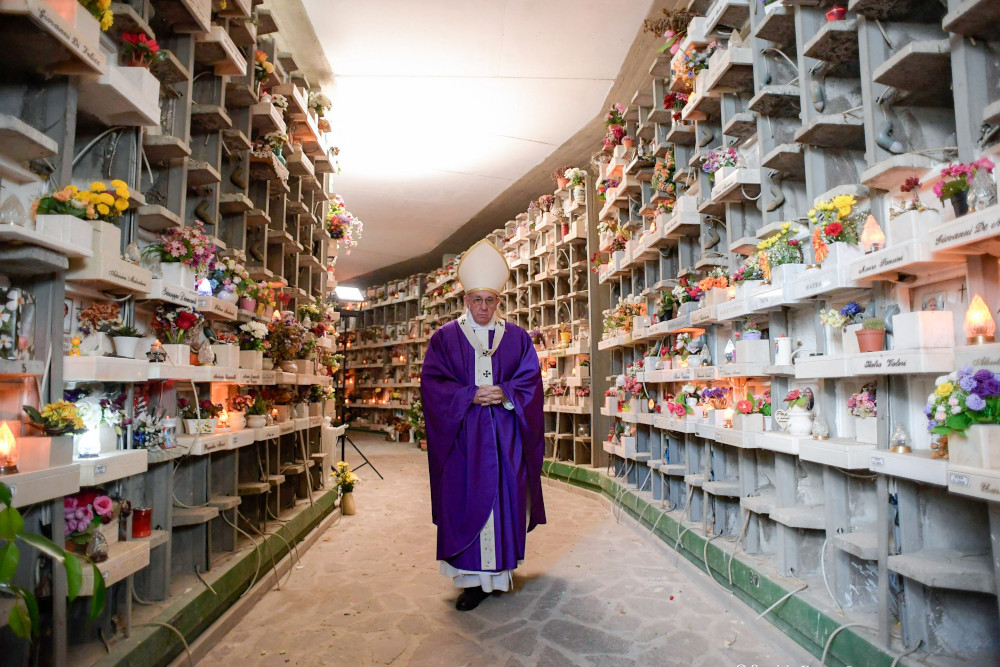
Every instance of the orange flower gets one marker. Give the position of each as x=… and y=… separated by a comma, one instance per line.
x=819, y=246
x=260, y=56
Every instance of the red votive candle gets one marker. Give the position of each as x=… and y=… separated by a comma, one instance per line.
x=142, y=522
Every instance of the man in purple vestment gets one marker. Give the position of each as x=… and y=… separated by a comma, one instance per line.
x=482, y=395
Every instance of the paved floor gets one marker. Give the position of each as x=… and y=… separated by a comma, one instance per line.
x=592, y=591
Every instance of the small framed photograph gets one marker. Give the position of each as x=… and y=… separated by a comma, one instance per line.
x=67, y=316
x=932, y=301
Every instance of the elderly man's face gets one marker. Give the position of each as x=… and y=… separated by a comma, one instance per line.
x=482, y=304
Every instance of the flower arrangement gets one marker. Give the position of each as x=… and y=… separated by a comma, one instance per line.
x=262, y=67
x=716, y=160
x=173, y=323
x=680, y=346
x=851, y=310
x=203, y=410
x=963, y=398
x=140, y=50
x=59, y=418
x=675, y=102
x=615, y=115
x=679, y=409
x=253, y=336
x=716, y=278
x=240, y=402
x=99, y=317
x=749, y=271
x=280, y=102
x=685, y=292
x=673, y=27
x=576, y=177
x=751, y=326
x=230, y=273
x=147, y=426
x=100, y=10
x=320, y=104
x=693, y=61
x=560, y=174
x=545, y=202
x=97, y=203
x=910, y=186
x=862, y=404
x=583, y=392
x=832, y=318
x=614, y=135
x=558, y=390
x=261, y=292
x=619, y=243
x=260, y=406
x=276, y=140
x=344, y=478
x=86, y=511
x=605, y=185
x=751, y=405
x=666, y=306
x=287, y=338
x=309, y=309
x=796, y=398
x=717, y=398
x=663, y=177
x=835, y=221
x=188, y=245
x=344, y=228
x=781, y=248
x=957, y=178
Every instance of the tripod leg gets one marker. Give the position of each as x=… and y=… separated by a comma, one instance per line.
x=367, y=462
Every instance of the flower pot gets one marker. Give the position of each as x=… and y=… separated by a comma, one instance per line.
x=561, y=183
x=611, y=404
x=267, y=363
x=837, y=13
x=178, y=273
x=866, y=430
x=227, y=356
x=305, y=366
x=142, y=346
x=870, y=340
x=617, y=259
x=315, y=409
x=248, y=304
x=97, y=344
x=960, y=202
x=628, y=143
x=236, y=420
x=125, y=346
x=850, y=340
x=978, y=448
x=748, y=423
x=423, y=445
x=110, y=531
x=665, y=363
x=909, y=225
x=251, y=359
x=579, y=195
x=752, y=351
x=716, y=417
x=289, y=366
x=202, y=426
x=923, y=329
x=799, y=421
x=256, y=421
x=564, y=228
x=649, y=364
x=283, y=413
x=301, y=410
x=840, y=254
x=228, y=296
x=178, y=355
x=715, y=296
x=347, y=507
x=583, y=372
x=50, y=451
x=751, y=335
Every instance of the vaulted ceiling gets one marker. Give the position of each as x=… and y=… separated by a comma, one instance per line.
x=441, y=106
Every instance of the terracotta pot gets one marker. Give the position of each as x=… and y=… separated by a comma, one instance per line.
x=423, y=445
x=248, y=304
x=837, y=13
x=628, y=144
x=562, y=183
x=347, y=506
x=871, y=340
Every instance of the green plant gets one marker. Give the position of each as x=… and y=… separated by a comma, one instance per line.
x=24, y=618
x=873, y=323
x=260, y=406
x=125, y=331
x=415, y=415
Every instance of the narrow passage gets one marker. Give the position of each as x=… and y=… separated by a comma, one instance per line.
x=592, y=591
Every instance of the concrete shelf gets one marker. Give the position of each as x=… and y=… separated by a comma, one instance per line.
x=944, y=568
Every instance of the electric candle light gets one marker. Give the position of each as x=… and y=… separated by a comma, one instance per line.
x=727, y=418
x=731, y=292
x=223, y=419
x=872, y=237
x=979, y=324
x=277, y=315
x=9, y=451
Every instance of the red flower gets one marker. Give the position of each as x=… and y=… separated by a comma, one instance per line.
x=744, y=407
x=793, y=242
x=912, y=183
x=186, y=320
x=793, y=395
x=833, y=229
x=131, y=37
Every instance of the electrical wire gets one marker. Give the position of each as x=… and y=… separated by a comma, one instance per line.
x=158, y=624
x=903, y=655
x=256, y=550
x=83, y=151
x=826, y=581
x=780, y=600
x=829, y=640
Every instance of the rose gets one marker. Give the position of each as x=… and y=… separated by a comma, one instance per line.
x=186, y=320
x=744, y=407
x=103, y=506
x=833, y=229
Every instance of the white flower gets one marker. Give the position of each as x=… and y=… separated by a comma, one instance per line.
x=89, y=410
x=955, y=409
x=6, y=342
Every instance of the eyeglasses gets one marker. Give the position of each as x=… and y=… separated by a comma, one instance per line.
x=479, y=301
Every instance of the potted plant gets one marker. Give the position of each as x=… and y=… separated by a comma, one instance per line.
x=751, y=331
x=956, y=180
x=253, y=344
x=201, y=418
x=973, y=432
x=96, y=322
x=749, y=416
x=576, y=178
x=717, y=161
x=59, y=422
x=560, y=177
x=611, y=399
x=782, y=255
x=257, y=411
x=172, y=323
x=92, y=520
x=836, y=13
x=628, y=141
x=862, y=407
x=140, y=51
x=871, y=335
x=345, y=481
x=126, y=341
x=226, y=349
x=799, y=415
x=183, y=253
x=836, y=229
x=238, y=405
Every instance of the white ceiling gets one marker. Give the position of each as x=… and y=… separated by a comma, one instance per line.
x=440, y=105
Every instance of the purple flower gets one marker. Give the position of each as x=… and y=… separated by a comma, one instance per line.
x=964, y=371
x=982, y=375
x=990, y=387
x=932, y=423
x=974, y=403
x=851, y=309
x=928, y=409
x=967, y=383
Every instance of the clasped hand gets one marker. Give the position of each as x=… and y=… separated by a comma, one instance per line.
x=489, y=395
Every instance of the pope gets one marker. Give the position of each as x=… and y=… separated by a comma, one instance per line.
x=482, y=395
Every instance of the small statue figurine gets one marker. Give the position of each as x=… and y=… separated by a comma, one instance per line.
x=75, y=342
x=820, y=429
x=205, y=356
x=132, y=254
x=156, y=353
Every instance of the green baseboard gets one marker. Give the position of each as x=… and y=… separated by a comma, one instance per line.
x=196, y=610
x=797, y=618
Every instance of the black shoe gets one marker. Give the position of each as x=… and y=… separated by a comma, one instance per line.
x=470, y=598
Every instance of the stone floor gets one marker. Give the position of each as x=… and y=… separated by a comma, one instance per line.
x=592, y=591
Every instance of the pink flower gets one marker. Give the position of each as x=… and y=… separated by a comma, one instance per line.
x=984, y=163
x=937, y=188
x=103, y=506
x=69, y=503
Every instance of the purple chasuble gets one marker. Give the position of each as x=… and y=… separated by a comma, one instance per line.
x=483, y=459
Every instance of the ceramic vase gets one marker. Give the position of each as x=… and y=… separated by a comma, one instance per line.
x=125, y=346
x=179, y=355
x=799, y=420
x=347, y=506
x=249, y=305
x=256, y=421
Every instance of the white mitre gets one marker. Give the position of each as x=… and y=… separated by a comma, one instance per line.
x=483, y=267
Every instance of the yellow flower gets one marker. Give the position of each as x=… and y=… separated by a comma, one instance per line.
x=118, y=183
x=105, y=198
x=786, y=225
x=72, y=189
x=122, y=192
x=97, y=186
x=103, y=209
x=121, y=204
x=104, y=4
x=107, y=20
x=944, y=389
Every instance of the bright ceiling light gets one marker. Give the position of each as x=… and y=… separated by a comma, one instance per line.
x=345, y=293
